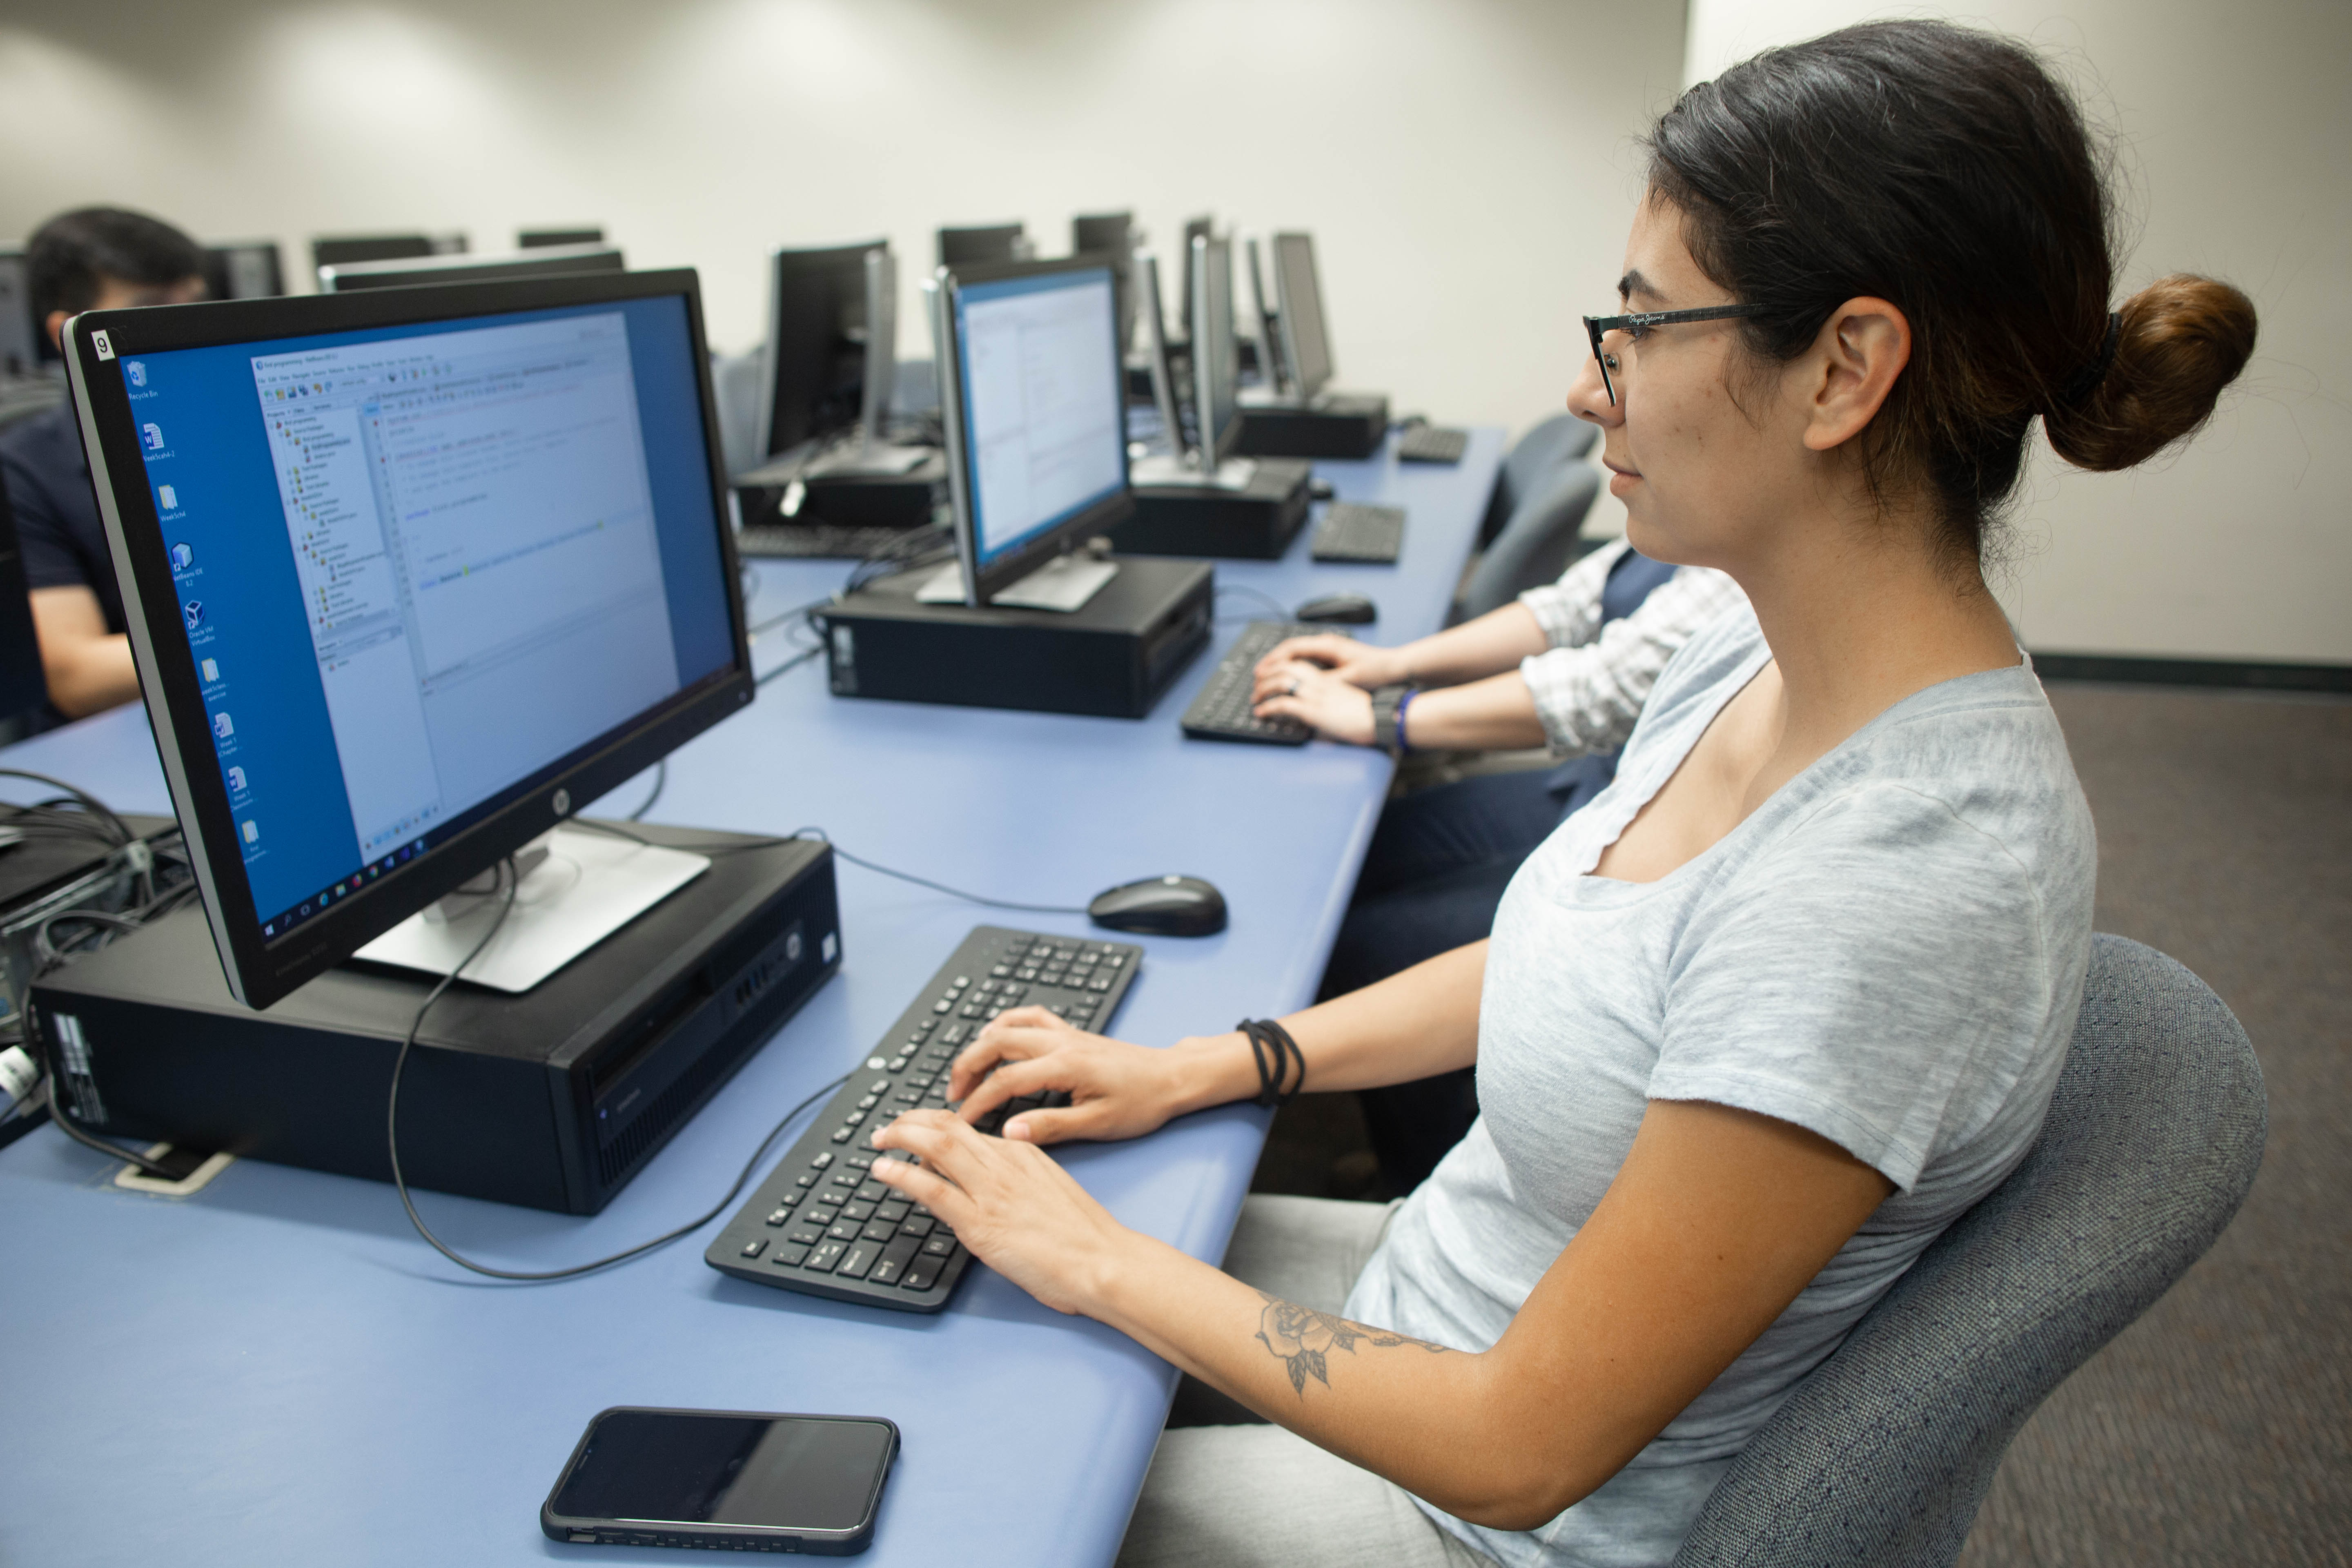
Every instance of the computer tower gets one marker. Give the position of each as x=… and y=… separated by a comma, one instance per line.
x=1340, y=425
x=1113, y=658
x=1254, y=522
x=552, y=1099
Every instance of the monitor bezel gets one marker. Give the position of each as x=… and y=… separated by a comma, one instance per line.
x=983, y=583
x=781, y=262
x=1286, y=316
x=464, y=267
x=1273, y=352
x=261, y=970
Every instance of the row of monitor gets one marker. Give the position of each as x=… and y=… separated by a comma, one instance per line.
x=374, y=669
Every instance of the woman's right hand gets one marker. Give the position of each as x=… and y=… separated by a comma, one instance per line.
x=1357, y=663
x=1116, y=1089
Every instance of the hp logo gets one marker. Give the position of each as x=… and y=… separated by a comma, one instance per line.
x=562, y=803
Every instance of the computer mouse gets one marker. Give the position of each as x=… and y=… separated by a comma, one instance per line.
x=1162, y=906
x=1320, y=488
x=1353, y=609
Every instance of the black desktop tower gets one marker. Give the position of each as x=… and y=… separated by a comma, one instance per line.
x=1342, y=425
x=1256, y=523
x=1112, y=657
x=852, y=501
x=554, y=1099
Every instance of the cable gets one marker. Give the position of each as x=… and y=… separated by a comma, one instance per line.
x=818, y=834
x=794, y=662
x=121, y=833
x=400, y=1184
x=1267, y=599
x=66, y=1124
x=661, y=779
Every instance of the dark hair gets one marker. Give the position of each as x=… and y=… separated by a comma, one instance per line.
x=1944, y=170
x=70, y=257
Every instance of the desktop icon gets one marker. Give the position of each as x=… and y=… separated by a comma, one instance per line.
x=170, y=497
x=249, y=830
x=135, y=371
x=153, y=436
x=222, y=727
x=236, y=780
x=210, y=669
x=181, y=556
x=306, y=908
x=193, y=611
x=270, y=930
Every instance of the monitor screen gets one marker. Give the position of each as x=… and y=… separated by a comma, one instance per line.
x=1216, y=364
x=420, y=571
x=1045, y=417
x=1301, y=304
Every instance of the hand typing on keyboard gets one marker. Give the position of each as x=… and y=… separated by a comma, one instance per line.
x=1331, y=706
x=1359, y=664
x=1116, y=1089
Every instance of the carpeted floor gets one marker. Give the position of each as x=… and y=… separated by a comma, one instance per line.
x=2217, y=1430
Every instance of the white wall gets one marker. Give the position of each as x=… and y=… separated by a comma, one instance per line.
x=2235, y=123
x=1463, y=166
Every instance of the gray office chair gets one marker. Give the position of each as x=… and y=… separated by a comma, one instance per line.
x=1538, y=542
x=1884, y=1455
x=1549, y=446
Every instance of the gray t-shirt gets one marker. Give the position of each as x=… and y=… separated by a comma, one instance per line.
x=1889, y=951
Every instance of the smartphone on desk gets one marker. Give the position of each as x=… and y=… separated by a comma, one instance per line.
x=738, y=1480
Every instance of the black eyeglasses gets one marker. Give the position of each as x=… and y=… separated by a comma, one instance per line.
x=1642, y=320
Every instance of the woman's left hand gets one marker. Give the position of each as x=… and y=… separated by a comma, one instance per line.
x=1329, y=704
x=1019, y=1212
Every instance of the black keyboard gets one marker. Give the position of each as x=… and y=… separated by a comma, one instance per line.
x=1432, y=444
x=815, y=541
x=1221, y=711
x=1352, y=530
x=821, y=1223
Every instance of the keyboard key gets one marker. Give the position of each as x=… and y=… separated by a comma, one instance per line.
x=915, y=1224
x=861, y=1162
x=858, y=1259
x=780, y=1216
x=789, y=1255
x=804, y=1236
x=756, y=1246
x=823, y=1158
x=844, y=1230
x=894, y=1260
x=877, y=1231
x=921, y=1273
x=823, y=1255
x=861, y=1209
x=893, y=1212
x=939, y=1244
x=872, y=1192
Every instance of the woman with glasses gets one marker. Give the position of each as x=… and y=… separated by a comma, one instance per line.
x=1791, y=995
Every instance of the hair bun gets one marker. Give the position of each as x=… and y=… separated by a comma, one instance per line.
x=2182, y=340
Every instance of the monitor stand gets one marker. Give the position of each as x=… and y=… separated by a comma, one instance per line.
x=1164, y=471
x=579, y=886
x=1064, y=584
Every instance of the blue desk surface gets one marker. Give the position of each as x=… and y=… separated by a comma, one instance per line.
x=276, y=1370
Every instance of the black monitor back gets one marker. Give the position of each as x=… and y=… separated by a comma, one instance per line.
x=970, y=247
x=20, y=335
x=816, y=345
x=537, y=238
x=248, y=270
x=343, y=250
x=23, y=685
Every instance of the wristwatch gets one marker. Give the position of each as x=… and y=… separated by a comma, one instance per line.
x=1388, y=718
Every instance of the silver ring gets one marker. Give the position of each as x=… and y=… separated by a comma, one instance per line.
x=1294, y=689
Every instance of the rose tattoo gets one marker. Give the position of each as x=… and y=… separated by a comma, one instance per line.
x=1301, y=1337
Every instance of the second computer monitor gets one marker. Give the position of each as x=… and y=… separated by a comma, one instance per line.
x=829, y=343
x=1216, y=360
x=1194, y=228
x=343, y=250
x=1298, y=294
x=990, y=242
x=409, y=273
x=1035, y=411
x=247, y=270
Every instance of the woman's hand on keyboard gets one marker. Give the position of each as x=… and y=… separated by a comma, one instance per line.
x=1019, y=1211
x=1359, y=664
x=1324, y=701
x=1116, y=1089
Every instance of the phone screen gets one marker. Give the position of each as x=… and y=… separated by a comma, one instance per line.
x=806, y=1472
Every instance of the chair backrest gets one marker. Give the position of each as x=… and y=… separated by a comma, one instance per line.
x=1882, y=1455
x=1536, y=544
x=1549, y=446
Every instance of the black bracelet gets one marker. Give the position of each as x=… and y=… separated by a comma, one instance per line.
x=1279, y=1058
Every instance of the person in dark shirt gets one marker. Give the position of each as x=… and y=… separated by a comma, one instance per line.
x=97, y=258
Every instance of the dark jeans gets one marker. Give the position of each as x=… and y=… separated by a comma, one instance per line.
x=1432, y=879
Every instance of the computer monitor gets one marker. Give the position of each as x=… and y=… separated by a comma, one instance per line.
x=23, y=684
x=1112, y=235
x=984, y=243
x=248, y=269
x=20, y=333
x=1216, y=360
x=536, y=239
x=1163, y=368
x=1265, y=321
x=409, y=273
x=343, y=249
x=833, y=346
x=1200, y=227
x=408, y=576
x=1298, y=295
x=1035, y=405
